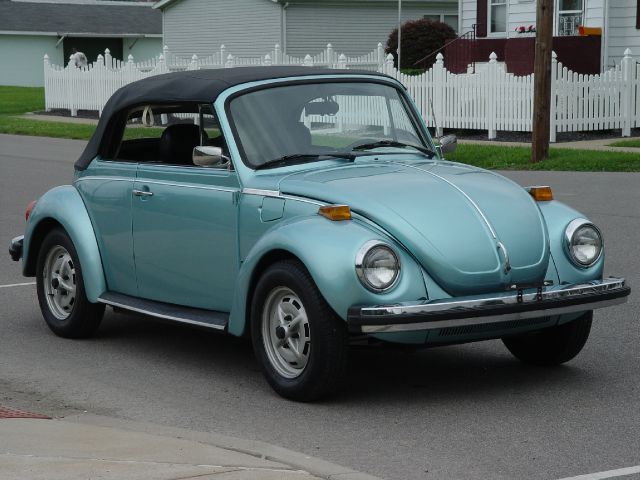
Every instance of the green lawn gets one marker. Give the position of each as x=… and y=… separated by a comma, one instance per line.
x=518, y=158
x=635, y=143
x=18, y=100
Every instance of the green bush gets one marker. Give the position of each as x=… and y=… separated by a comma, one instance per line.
x=419, y=38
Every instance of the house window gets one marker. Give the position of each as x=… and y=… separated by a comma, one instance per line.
x=570, y=13
x=451, y=20
x=498, y=16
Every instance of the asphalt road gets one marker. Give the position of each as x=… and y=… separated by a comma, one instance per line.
x=463, y=412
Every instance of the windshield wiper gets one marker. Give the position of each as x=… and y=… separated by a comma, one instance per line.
x=393, y=143
x=298, y=158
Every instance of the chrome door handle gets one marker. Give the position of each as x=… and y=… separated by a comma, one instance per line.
x=142, y=193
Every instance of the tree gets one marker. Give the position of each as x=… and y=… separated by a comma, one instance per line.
x=419, y=38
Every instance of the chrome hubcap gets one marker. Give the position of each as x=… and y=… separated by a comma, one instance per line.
x=59, y=278
x=285, y=332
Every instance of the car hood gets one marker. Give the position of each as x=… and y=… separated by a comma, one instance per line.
x=464, y=225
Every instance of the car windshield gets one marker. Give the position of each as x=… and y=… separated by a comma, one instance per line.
x=318, y=121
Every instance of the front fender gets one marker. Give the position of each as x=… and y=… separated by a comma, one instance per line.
x=328, y=250
x=63, y=205
x=557, y=215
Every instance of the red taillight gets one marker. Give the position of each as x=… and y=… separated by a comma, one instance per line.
x=29, y=208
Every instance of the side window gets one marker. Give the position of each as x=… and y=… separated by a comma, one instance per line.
x=168, y=134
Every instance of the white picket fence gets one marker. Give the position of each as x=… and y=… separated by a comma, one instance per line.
x=491, y=99
x=494, y=100
x=90, y=87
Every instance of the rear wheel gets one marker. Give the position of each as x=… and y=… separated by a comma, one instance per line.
x=298, y=339
x=551, y=346
x=60, y=287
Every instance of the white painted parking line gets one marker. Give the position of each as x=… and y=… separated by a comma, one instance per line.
x=17, y=284
x=621, y=472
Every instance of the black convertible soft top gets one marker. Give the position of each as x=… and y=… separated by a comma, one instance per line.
x=194, y=86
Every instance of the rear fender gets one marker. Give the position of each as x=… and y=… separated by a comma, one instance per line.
x=63, y=206
x=328, y=251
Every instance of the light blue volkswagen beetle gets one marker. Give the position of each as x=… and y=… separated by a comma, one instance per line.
x=305, y=208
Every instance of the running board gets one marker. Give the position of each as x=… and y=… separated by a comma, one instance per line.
x=168, y=311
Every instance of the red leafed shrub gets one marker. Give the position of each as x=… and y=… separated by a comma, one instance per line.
x=419, y=38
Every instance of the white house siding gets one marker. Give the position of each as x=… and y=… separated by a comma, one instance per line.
x=594, y=13
x=468, y=14
x=21, y=57
x=355, y=30
x=245, y=27
x=622, y=30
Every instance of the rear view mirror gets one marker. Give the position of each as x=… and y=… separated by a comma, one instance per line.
x=207, y=156
x=447, y=144
x=325, y=107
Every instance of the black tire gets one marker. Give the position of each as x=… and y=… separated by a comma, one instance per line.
x=551, y=346
x=83, y=317
x=326, y=364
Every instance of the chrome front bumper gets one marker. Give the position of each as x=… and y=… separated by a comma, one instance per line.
x=508, y=306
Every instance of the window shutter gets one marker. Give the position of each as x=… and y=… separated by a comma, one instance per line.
x=481, y=18
x=638, y=15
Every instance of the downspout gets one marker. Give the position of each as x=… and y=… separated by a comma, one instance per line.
x=460, y=17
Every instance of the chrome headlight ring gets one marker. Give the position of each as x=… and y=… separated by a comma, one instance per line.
x=371, y=260
x=579, y=230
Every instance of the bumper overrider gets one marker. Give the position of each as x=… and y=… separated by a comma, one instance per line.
x=519, y=304
x=15, y=248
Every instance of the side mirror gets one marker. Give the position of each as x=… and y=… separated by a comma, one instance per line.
x=207, y=156
x=447, y=144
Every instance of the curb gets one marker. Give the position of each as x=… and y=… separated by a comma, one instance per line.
x=255, y=448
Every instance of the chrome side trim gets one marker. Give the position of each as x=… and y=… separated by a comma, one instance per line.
x=260, y=192
x=187, y=185
x=157, y=182
x=159, y=315
x=276, y=194
x=115, y=179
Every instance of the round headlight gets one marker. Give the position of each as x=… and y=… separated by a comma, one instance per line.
x=377, y=266
x=584, y=242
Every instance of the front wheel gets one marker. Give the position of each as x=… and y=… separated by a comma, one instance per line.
x=298, y=339
x=551, y=346
x=60, y=287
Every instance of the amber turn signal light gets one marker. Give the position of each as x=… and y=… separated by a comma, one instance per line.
x=335, y=212
x=541, y=193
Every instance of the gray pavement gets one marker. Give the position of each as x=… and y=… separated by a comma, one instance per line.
x=463, y=412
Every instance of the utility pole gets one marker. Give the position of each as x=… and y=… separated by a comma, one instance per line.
x=399, y=30
x=542, y=81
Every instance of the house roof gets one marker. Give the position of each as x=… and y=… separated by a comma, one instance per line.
x=93, y=19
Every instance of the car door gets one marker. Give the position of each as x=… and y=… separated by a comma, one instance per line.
x=105, y=188
x=185, y=234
